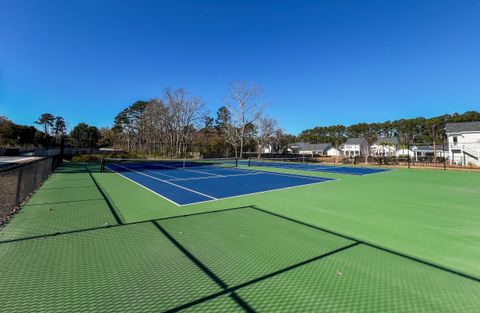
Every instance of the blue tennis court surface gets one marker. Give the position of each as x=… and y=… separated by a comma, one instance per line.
x=317, y=168
x=200, y=183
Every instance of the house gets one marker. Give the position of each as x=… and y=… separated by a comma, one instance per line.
x=404, y=152
x=430, y=150
x=295, y=147
x=266, y=149
x=313, y=149
x=384, y=147
x=332, y=151
x=355, y=147
x=464, y=142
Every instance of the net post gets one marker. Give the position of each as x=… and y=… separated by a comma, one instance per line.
x=236, y=162
x=444, y=155
x=249, y=161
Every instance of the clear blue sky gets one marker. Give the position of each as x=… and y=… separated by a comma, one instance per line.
x=319, y=62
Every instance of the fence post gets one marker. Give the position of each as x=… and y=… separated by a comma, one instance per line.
x=408, y=154
x=19, y=185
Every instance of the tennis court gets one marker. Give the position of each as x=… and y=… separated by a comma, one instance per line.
x=184, y=183
x=93, y=241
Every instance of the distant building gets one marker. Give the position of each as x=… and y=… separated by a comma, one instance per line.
x=319, y=149
x=429, y=151
x=384, y=147
x=266, y=149
x=464, y=142
x=355, y=147
x=404, y=152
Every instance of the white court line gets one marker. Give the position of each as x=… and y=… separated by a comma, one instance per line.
x=284, y=174
x=201, y=172
x=220, y=176
x=163, y=197
x=165, y=181
x=265, y=191
x=154, y=172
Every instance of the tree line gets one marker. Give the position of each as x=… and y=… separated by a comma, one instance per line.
x=408, y=131
x=53, y=133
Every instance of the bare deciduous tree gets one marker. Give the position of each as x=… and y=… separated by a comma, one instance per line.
x=266, y=128
x=165, y=126
x=244, y=101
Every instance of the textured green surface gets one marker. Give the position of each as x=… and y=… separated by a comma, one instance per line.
x=363, y=279
x=431, y=214
x=44, y=196
x=121, y=269
x=67, y=201
x=221, y=304
x=44, y=219
x=244, y=244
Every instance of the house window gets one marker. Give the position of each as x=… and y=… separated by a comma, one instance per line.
x=455, y=140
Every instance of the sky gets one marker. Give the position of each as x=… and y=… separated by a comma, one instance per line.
x=318, y=62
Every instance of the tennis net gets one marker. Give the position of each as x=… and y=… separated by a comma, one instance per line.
x=276, y=161
x=143, y=164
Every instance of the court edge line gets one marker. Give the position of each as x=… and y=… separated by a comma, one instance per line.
x=378, y=247
x=202, y=266
x=222, y=176
x=264, y=277
x=201, y=172
x=54, y=234
x=109, y=204
x=137, y=183
x=325, y=180
x=183, y=168
x=152, y=171
x=284, y=174
x=165, y=181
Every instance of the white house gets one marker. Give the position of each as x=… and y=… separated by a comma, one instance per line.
x=384, y=147
x=332, y=151
x=403, y=152
x=355, y=147
x=266, y=149
x=464, y=142
x=313, y=149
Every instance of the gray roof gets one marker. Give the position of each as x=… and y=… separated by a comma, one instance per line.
x=316, y=147
x=429, y=147
x=305, y=146
x=463, y=127
x=391, y=140
x=356, y=141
